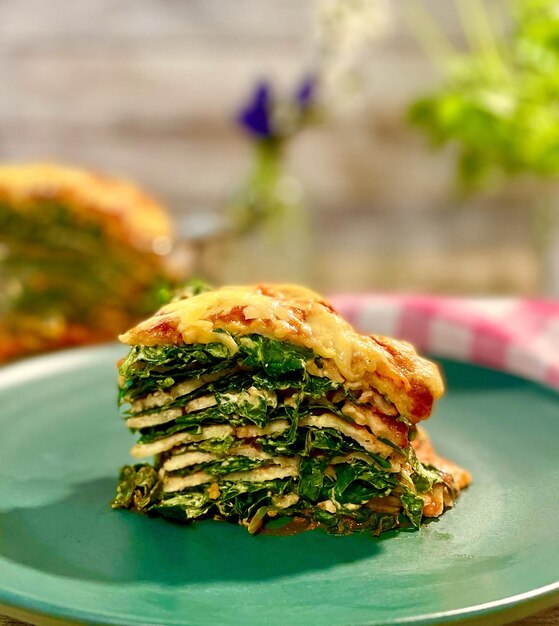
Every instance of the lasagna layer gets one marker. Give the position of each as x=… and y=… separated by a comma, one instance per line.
x=299, y=316
x=261, y=402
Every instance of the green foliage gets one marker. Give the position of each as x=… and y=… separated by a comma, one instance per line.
x=499, y=104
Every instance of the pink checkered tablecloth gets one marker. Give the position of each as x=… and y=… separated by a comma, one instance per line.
x=515, y=335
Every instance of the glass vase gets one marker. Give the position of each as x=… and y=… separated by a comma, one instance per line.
x=269, y=238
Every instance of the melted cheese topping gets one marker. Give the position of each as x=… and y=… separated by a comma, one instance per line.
x=299, y=316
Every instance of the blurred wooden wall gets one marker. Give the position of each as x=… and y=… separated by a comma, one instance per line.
x=148, y=89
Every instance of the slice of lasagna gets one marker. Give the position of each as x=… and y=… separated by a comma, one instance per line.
x=82, y=257
x=261, y=402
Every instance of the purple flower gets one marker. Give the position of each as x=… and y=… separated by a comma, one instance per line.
x=256, y=116
x=260, y=116
x=306, y=92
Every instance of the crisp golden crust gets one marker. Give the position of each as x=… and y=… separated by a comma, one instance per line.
x=126, y=213
x=299, y=316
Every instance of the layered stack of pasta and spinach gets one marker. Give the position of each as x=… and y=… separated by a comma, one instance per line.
x=248, y=424
x=82, y=256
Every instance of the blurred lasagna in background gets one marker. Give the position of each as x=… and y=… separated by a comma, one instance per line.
x=82, y=256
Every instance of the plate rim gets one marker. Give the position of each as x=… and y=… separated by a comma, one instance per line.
x=532, y=601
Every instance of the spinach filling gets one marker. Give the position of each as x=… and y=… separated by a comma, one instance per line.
x=274, y=365
x=263, y=381
x=247, y=503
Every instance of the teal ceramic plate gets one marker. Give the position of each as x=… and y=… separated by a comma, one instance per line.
x=65, y=553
